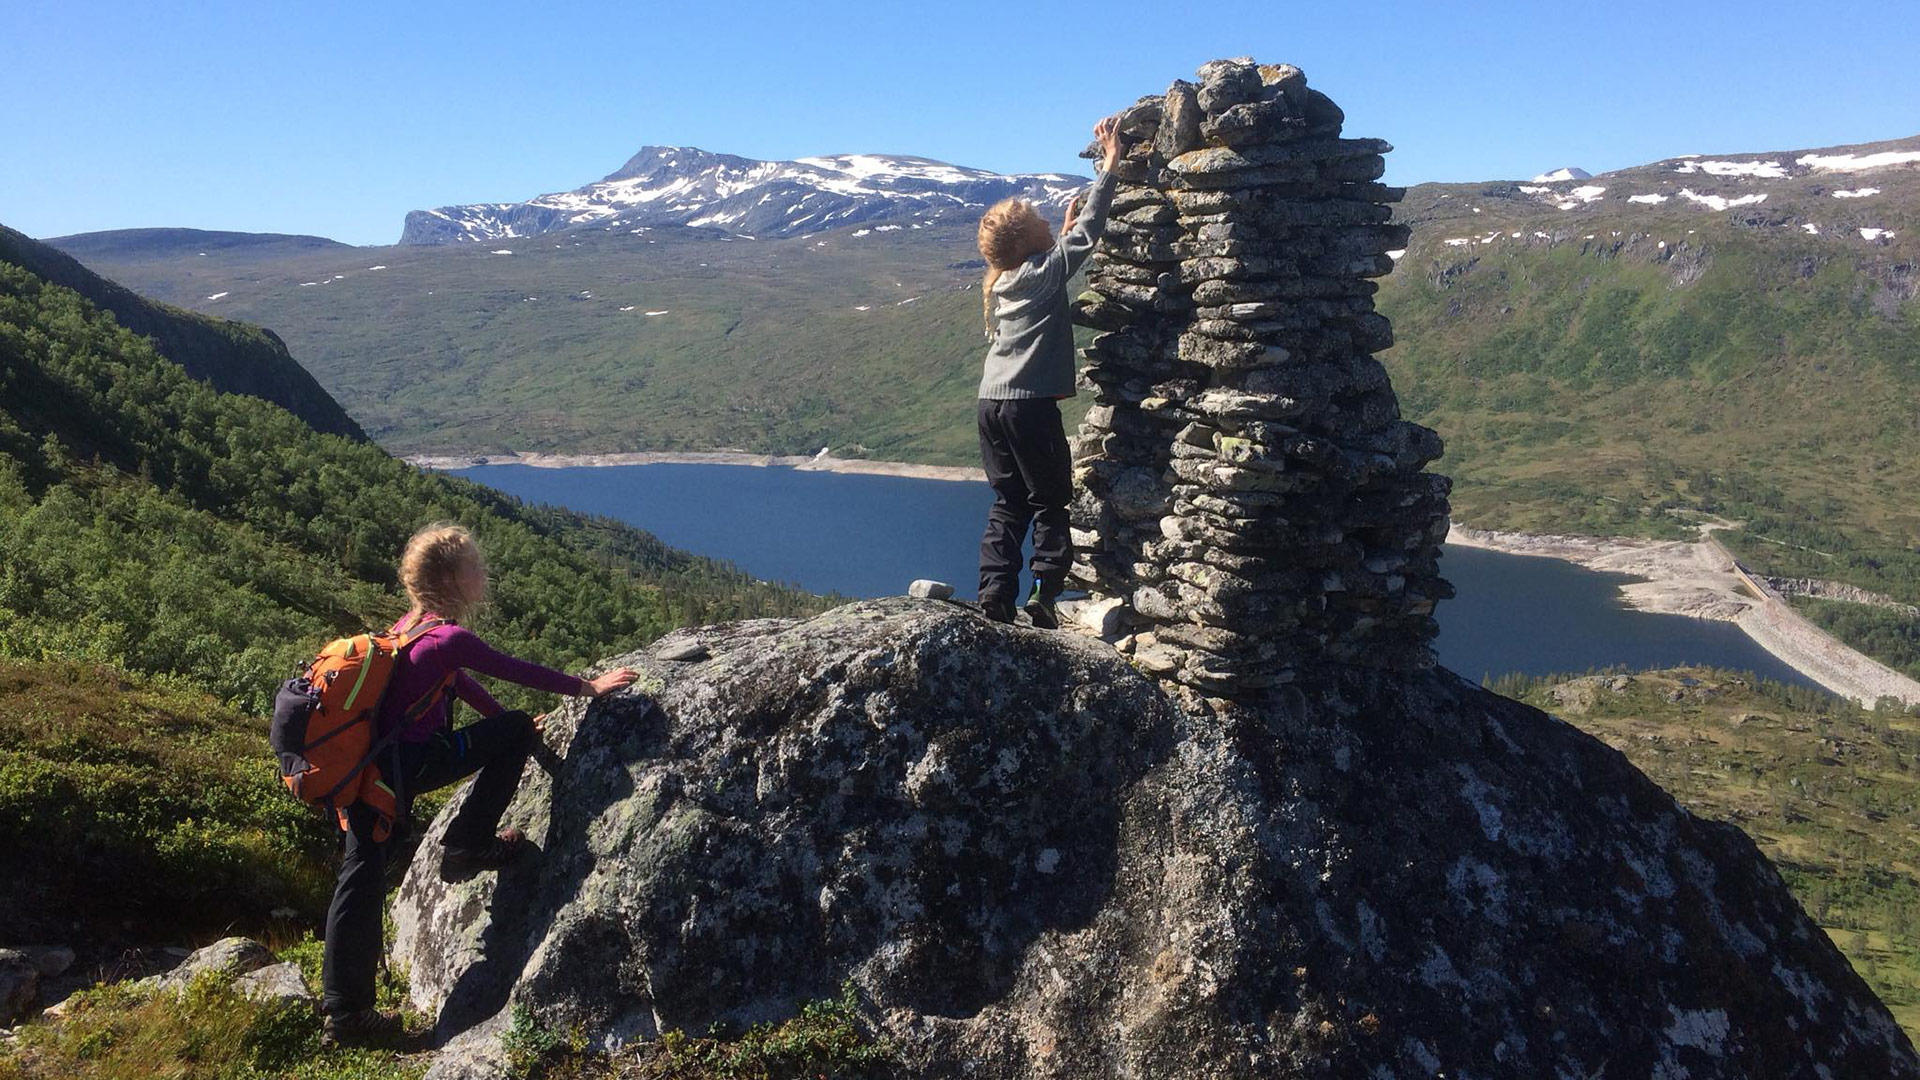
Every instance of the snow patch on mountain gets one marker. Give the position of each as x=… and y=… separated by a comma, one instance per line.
x=1568, y=173
x=1721, y=202
x=1765, y=170
x=1857, y=162
x=1580, y=196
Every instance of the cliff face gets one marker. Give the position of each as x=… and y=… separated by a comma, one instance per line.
x=1031, y=863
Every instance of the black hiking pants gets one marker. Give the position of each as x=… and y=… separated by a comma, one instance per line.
x=496, y=748
x=1023, y=448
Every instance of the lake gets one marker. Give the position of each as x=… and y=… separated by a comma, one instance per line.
x=865, y=536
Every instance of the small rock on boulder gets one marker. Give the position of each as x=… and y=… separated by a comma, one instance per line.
x=928, y=589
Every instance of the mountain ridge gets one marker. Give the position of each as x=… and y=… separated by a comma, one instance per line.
x=675, y=185
x=237, y=358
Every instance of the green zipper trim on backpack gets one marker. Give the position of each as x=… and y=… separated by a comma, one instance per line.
x=360, y=681
x=382, y=785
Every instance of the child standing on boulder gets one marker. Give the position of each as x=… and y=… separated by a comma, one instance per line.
x=446, y=579
x=1029, y=368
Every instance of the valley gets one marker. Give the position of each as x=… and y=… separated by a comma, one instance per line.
x=1733, y=335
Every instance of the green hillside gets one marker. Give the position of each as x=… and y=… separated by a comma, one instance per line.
x=237, y=358
x=1596, y=366
x=168, y=553
x=869, y=344
x=1828, y=790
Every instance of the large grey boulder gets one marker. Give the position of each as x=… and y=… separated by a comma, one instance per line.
x=275, y=982
x=1030, y=863
x=232, y=957
x=19, y=985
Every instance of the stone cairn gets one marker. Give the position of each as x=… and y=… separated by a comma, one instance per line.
x=1249, y=500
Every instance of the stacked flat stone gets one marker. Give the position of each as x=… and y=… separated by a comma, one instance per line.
x=1247, y=489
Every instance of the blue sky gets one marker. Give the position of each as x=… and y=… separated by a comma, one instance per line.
x=337, y=119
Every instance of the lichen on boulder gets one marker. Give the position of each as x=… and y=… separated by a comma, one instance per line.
x=1029, y=862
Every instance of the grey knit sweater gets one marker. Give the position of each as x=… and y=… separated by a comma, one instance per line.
x=1030, y=350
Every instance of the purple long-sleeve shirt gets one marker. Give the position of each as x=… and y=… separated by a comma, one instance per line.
x=455, y=649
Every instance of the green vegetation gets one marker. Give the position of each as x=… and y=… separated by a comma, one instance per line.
x=234, y=356
x=1889, y=636
x=1828, y=790
x=139, y=800
x=1644, y=362
x=870, y=345
x=150, y=523
x=168, y=554
x=206, y=1030
x=209, y=1031
x=824, y=1039
x=1580, y=389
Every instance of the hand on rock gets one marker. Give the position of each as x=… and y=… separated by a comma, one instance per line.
x=611, y=681
x=1107, y=134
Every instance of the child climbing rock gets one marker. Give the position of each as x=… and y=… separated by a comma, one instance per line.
x=446, y=579
x=1029, y=368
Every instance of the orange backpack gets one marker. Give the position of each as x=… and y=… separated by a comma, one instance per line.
x=326, y=725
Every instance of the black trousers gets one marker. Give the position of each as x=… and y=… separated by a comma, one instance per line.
x=1023, y=448
x=496, y=748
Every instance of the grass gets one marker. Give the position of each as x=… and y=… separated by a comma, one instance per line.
x=150, y=811
x=209, y=1031
x=823, y=1039
x=206, y=1030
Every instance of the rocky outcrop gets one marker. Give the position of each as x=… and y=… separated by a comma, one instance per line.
x=1031, y=863
x=1248, y=491
x=1819, y=589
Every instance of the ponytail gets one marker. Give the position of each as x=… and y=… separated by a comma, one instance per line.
x=986, y=298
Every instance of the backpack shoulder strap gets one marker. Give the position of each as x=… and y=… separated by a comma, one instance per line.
x=414, y=632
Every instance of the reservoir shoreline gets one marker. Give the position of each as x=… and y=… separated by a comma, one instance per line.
x=1702, y=579
x=1696, y=578
x=821, y=462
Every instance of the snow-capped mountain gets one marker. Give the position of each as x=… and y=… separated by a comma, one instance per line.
x=682, y=185
x=1860, y=196
x=1571, y=172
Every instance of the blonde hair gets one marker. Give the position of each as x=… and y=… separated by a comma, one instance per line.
x=1011, y=232
x=430, y=570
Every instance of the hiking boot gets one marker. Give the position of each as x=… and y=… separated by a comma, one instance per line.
x=496, y=854
x=1041, y=609
x=1000, y=611
x=361, y=1027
